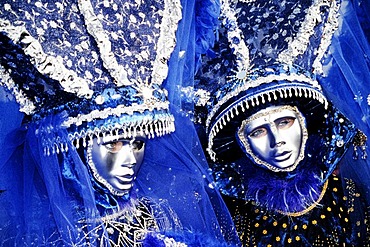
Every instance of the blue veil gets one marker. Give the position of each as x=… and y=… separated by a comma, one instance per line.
x=196, y=35
x=178, y=172
x=346, y=81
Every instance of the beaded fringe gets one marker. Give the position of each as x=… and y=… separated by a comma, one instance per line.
x=246, y=103
x=152, y=129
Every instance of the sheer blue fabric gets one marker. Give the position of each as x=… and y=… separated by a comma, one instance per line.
x=196, y=36
x=176, y=171
x=41, y=201
x=347, y=78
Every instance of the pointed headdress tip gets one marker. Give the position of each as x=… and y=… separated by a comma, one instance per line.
x=100, y=77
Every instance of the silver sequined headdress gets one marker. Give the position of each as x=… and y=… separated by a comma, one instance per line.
x=89, y=67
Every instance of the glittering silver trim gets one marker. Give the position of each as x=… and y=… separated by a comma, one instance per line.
x=248, y=149
x=25, y=104
x=96, y=30
x=46, y=64
x=167, y=40
x=259, y=81
x=299, y=44
x=330, y=27
x=119, y=110
x=149, y=127
x=240, y=49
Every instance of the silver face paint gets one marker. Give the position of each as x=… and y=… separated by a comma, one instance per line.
x=275, y=137
x=116, y=162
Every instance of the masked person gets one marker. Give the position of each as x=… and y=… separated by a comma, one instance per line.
x=116, y=162
x=88, y=75
x=276, y=143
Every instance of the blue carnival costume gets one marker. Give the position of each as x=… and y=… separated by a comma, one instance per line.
x=85, y=69
x=274, y=53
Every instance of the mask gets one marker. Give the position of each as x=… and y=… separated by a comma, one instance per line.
x=116, y=162
x=275, y=137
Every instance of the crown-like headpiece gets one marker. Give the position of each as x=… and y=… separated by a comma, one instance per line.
x=267, y=50
x=90, y=67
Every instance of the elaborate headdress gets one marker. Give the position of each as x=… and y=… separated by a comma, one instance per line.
x=271, y=53
x=98, y=70
x=268, y=51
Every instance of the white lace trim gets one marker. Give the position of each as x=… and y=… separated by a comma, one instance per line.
x=259, y=81
x=46, y=64
x=26, y=105
x=96, y=30
x=298, y=46
x=330, y=27
x=167, y=40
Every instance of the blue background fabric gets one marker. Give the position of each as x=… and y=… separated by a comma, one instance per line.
x=173, y=171
x=347, y=77
x=200, y=19
x=347, y=63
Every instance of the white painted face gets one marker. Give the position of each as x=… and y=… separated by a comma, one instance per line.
x=116, y=162
x=275, y=137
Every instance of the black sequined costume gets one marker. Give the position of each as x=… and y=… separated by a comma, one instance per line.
x=326, y=223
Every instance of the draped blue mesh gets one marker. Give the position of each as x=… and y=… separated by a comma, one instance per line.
x=347, y=78
x=179, y=160
x=174, y=171
x=185, y=170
